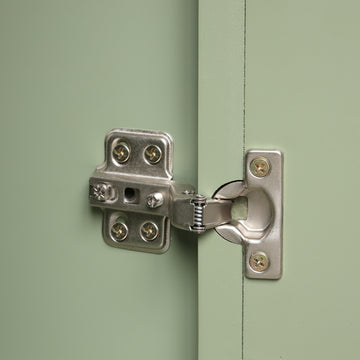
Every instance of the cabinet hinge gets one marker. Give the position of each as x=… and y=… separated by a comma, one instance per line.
x=135, y=190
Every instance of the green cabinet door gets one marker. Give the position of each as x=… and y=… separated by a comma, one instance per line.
x=69, y=72
x=283, y=75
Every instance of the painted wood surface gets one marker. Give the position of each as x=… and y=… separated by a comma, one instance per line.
x=70, y=71
x=221, y=55
x=302, y=86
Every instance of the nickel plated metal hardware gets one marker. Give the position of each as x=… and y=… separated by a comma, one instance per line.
x=139, y=199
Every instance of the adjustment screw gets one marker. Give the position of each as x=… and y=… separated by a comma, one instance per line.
x=149, y=231
x=259, y=261
x=260, y=167
x=119, y=231
x=153, y=154
x=155, y=200
x=102, y=192
x=121, y=153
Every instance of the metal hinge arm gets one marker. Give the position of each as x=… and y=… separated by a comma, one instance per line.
x=196, y=213
x=185, y=210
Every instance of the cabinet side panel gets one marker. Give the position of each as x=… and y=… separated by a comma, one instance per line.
x=221, y=54
x=303, y=98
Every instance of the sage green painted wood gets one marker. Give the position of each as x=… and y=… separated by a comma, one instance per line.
x=220, y=160
x=303, y=98
x=70, y=71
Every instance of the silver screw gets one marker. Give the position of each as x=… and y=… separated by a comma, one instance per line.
x=260, y=167
x=102, y=192
x=188, y=192
x=153, y=154
x=259, y=261
x=149, y=231
x=155, y=200
x=119, y=231
x=121, y=153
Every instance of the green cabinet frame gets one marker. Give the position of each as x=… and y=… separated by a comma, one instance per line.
x=301, y=62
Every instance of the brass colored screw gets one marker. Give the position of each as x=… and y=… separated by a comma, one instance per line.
x=153, y=154
x=259, y=261
x=119, y=231
x=149, y=231
x=121, y=153
x=260, y=167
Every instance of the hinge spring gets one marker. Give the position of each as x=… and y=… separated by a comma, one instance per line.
x=198, y=216
x=199, y=203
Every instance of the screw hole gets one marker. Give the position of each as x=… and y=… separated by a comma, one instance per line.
x=131, y=195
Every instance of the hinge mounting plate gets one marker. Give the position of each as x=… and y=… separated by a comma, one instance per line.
x=137, y=163
x=261, y=232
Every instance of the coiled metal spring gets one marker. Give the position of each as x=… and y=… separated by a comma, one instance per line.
x=198, y=222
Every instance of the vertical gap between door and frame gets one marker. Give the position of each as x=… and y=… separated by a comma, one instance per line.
x=243, y=155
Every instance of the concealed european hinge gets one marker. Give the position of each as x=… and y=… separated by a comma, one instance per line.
x=134, y=187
